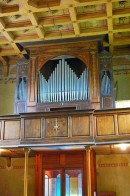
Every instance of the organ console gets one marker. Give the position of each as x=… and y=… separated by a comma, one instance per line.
x=65, y=76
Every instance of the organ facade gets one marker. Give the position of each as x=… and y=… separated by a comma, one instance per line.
x=71, y=75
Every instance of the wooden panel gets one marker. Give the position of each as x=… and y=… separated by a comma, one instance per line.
x=124, y=124
x=32, y=84
x=56, y=127
x=80, y=126
x=63, y=158
x=12, y=130
x=95, y=78
x=32, y=128
x=51, y=159
x=105, y=125
x=20, y=106
x=74, y=158
x=107, y=102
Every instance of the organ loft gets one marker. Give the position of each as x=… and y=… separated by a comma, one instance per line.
x=71, y=75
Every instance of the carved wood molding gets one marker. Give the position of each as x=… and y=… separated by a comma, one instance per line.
x=61, y=48
x=86, y=51
x=32, y=84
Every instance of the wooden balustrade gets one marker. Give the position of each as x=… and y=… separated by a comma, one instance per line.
x=10, y=130
x=65, y=127
x=111, y=125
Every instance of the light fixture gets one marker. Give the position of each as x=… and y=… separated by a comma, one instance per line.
x=123, y=146
x=2, y=150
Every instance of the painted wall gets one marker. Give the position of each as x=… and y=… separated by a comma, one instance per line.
x=122, y=87
x=113, y=173
x=121, y=74
x=7, y=93
x=12, y=178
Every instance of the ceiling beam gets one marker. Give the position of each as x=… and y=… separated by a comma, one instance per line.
x=4, y=61
x=73, y=17
x=110, y=25
x=34, y=21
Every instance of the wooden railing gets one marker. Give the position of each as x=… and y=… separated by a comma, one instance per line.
x=87, y=127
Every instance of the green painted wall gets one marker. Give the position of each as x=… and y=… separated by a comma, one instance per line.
x=113, y=174
x=123, y=86
x=7, y=93
x=12, y=178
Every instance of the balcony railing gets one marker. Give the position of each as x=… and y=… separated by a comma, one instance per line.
x=87, y=127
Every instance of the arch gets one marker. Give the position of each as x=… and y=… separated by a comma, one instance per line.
x=43, y=60
x=64, y=78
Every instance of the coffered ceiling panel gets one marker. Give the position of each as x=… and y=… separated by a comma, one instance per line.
x=38, y=20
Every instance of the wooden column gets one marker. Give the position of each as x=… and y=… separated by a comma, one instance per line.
x=26, y=172
x=91, y=171
x=88, y=166
x=39, y=191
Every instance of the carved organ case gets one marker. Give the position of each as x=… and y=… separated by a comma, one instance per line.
x=106, y=80
x=21, y=86
x=63, y=76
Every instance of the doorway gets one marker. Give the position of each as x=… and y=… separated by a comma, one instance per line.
x=61, y=173
x=72, y=185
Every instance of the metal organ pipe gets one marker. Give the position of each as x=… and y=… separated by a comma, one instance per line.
x=22, y=87
x=63, y=85
x=105, y=84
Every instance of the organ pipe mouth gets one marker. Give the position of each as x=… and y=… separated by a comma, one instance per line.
x=63, y=108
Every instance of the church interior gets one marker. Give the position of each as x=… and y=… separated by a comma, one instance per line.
x=64, y=97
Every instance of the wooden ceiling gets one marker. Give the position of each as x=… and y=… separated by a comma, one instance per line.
x=38, y=20
x=99, y=150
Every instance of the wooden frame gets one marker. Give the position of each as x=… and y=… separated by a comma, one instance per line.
x=68, y=159
x=85, y=51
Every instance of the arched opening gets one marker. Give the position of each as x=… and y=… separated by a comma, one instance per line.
x=63, y=79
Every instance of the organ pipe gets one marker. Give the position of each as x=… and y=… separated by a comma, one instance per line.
x=63, y=85
x=105, y=84
x=22, y=89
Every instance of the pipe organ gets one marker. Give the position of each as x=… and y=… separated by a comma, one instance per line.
x=106, y=80
x=22, y=89
x=105, y=83
x=21, y=86
x=63, y=85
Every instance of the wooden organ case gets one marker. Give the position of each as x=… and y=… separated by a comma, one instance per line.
x=106, y=80
x=55, y=78
x=21, y=86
